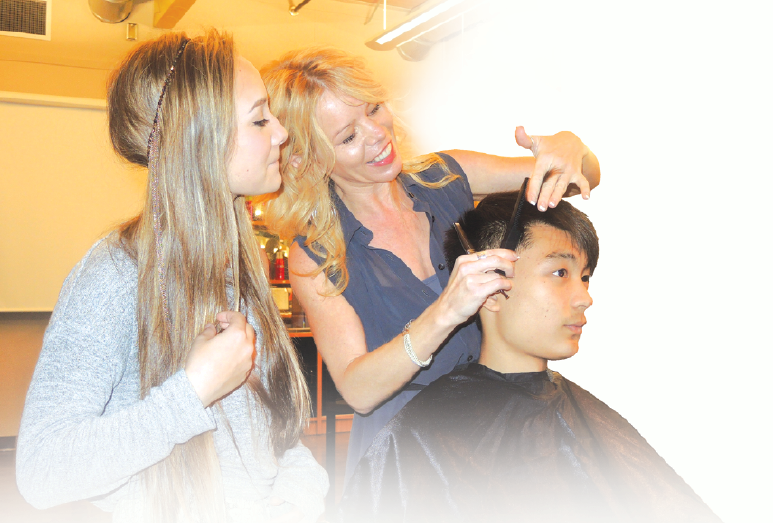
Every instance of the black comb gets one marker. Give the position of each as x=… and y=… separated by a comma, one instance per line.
x=514, y=229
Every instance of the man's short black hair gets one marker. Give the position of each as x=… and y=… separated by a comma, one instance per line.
x=485, y=226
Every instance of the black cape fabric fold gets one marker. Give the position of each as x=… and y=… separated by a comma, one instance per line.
x=478, y=445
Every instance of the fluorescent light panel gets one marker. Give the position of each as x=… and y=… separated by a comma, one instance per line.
x=415, y=22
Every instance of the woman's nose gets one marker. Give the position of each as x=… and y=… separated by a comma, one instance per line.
x=376, y=132
x=280, y=134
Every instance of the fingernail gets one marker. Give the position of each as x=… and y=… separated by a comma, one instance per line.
x=533, y=202
x=586, y=196
x=541, y=207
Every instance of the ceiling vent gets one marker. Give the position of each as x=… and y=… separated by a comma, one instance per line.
x=26, y=18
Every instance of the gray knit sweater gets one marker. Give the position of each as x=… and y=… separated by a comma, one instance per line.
x=85, y=434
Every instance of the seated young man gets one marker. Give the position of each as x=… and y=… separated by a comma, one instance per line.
x=506, y=439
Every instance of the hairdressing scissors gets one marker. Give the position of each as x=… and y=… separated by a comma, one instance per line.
x=467, y=246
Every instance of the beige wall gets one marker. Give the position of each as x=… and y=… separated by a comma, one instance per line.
x=56, y=80
x=63, y=188
x=82, y=50
x=21, y=337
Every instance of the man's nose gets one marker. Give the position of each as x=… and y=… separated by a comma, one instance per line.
x=582, y=297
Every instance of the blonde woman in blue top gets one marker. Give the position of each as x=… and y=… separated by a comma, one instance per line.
x=368, y=255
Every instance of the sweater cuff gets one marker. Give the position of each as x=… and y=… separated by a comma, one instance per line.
x=196, y=418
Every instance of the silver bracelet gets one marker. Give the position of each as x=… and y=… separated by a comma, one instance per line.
x=409, y=348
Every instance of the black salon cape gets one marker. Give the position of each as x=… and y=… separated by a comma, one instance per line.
x=478, y=445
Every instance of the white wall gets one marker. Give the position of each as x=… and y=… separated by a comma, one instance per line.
x=674, y=98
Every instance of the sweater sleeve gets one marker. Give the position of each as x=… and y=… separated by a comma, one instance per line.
x=84, y=431
x=302, y=482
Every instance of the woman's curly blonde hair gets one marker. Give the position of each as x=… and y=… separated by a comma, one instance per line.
x=304, y=206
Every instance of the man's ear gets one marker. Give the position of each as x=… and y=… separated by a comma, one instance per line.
x=492, y=303
x=295, y=160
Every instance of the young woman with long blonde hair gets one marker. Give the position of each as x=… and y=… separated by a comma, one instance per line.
x=367, y=264
x=167, y=388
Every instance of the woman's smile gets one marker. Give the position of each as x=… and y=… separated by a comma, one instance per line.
x=384, y=157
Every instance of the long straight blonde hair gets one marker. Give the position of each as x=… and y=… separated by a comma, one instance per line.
x=304, y=205
x=203, y=246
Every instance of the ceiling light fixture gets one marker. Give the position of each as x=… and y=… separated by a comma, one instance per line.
x=295, y=8
x=111, y=11
x=424, y=21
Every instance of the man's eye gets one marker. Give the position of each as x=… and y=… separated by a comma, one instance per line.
x=586, y=278
x=261, y=123
x=561, y=273
x=375, y=109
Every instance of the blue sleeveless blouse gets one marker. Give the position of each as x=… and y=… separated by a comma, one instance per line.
x=386, y=295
